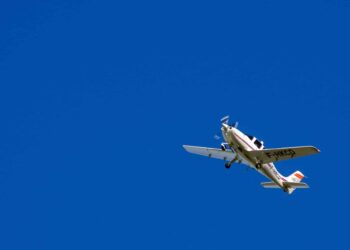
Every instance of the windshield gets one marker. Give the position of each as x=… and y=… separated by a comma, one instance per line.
x=258, y=143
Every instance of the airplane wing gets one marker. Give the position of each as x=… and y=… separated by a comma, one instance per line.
x=289, y=184
x=211, y=152
x=280, y=154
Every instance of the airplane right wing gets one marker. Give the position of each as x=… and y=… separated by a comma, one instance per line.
x=279, y=154
x=211, y=152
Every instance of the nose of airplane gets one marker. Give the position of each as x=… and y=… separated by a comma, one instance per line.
x=225, y=127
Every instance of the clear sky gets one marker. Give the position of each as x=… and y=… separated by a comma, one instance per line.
x=97, y=98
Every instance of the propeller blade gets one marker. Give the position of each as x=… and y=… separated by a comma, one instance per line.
x=216, y=137
x=225, y=119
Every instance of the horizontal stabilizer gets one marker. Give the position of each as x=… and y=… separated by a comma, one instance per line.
x=296, y=184
x=269, y=185
x=211, y=152
x=291, y=186
x=279, y=154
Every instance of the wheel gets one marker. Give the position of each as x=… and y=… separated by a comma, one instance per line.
x=258, y=166
x=227, y=165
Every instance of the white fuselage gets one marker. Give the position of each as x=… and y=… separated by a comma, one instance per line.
x=241, y=143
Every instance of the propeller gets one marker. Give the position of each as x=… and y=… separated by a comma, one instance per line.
x=216, y=137
x=225, y=120
x=235, y=125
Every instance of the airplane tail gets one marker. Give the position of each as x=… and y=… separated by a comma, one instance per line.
x=291, y=183
x=297, y=176
x=294, y=181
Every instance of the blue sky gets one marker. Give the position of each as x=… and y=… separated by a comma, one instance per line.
x=97, y=98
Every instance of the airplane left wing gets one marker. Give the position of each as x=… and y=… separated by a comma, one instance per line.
x=211, y=152
x=279, y=154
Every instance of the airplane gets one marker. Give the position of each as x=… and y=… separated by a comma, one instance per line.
x=248, y=150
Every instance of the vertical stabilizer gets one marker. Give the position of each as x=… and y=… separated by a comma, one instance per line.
x=296, y=177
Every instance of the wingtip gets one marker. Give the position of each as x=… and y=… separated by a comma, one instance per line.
x=316, y=149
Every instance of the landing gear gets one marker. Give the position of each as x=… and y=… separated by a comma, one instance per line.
x=258, y=165
x=228, y=164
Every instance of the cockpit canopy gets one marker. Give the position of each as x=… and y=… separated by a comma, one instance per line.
x=257, y=143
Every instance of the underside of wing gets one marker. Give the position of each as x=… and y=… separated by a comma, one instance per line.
x=280, y=154
x=211, y=152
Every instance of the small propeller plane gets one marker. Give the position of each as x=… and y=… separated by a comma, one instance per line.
x=246, y=149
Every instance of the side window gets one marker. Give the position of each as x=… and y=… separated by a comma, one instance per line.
x=258, y=143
